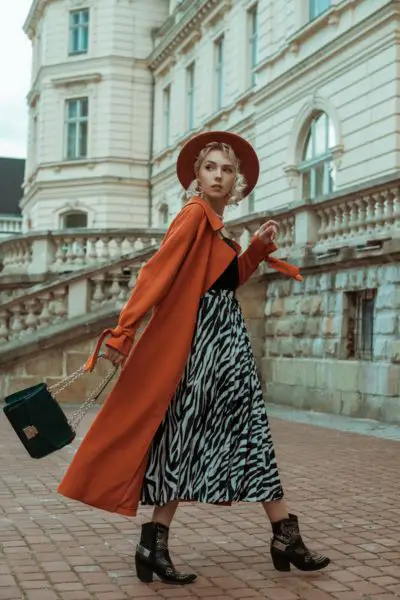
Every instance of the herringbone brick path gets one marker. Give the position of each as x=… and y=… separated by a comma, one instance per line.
x=344, y=487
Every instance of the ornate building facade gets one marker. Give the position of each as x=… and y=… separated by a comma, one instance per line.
x=118, y=86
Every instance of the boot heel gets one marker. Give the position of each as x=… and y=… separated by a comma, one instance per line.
x=143, y=571
x=280, y=561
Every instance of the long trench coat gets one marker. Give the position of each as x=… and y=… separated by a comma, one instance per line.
x=108, y=468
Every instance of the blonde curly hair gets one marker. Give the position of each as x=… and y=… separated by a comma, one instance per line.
x=240, y=182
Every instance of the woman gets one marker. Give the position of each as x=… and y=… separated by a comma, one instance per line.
x=186, y=420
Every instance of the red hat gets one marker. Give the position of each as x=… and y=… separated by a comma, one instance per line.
x=249, y=165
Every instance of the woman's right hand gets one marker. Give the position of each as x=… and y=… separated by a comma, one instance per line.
x=117, y=358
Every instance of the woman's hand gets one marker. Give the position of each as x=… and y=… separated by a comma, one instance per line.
x=117, y=358
x=267, y=232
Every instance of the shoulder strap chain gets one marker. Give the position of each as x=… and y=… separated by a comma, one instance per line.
x=82, y=411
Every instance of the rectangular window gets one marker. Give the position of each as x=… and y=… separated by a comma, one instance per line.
x=190, y=83
x=219, y=72
x=77, y=116
x=167, y=115
x=317, y=7
x=253, y=41
x=79, y=31
x=360, y=324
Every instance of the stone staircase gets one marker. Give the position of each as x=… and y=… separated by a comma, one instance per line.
x=59, y=289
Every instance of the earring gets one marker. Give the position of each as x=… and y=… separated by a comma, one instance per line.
x=198, y=190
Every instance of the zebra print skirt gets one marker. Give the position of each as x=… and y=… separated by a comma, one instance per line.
x=214, y=444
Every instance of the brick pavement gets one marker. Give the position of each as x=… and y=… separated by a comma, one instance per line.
x=345, y=487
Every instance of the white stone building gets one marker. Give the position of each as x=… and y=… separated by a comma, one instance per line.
x=89, y=140
x=118, y=86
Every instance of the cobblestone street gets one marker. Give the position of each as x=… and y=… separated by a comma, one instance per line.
x=345, y=488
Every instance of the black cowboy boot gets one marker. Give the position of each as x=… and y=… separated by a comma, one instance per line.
x=288, y=547
x=152, y=556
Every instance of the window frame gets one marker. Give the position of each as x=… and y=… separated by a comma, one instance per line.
x=314, y=12
x=70, y=213
x=358, y=346
x=80, y=121
x=253, y=41
x=310, y=166
x=166, y=129
x=219, y=59
x=190, y=96
x=80, y=27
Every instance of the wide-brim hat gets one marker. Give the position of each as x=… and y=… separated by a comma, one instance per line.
x=249, y=164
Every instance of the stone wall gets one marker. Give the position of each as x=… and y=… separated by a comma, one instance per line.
x=305, y=361
x=52, y=362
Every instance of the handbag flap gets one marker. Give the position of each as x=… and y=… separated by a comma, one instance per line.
x=40, y=409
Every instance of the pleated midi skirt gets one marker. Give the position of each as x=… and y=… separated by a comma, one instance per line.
x=214, y=444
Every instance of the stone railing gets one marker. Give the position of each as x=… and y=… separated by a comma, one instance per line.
x=358, y=218
x=97, y=287
x=71, y=250
x=361, y=218
x=48, y=306
x=10, y=225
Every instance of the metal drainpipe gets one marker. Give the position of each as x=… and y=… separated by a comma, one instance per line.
x=151, y=145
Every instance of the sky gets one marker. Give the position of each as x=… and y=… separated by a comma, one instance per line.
x=15, y=67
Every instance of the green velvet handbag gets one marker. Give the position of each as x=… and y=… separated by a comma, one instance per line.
x=38, y=419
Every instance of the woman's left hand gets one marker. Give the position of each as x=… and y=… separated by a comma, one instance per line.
x=267, y=232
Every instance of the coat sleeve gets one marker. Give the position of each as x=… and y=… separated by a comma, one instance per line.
x=250, y=259
x=153, y=281
x=259, y=251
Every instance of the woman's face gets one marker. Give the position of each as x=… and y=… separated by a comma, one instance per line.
x=216, y=175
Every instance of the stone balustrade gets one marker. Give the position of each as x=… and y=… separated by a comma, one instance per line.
x=364, y=217
x=357, y=218
x=71, y=250
x=91, y=292
x=10, y=225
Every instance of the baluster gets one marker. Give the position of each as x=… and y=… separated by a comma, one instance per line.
x=353, y=221
x=329, y=222
x=31, y=318
x=59, y=305
x=68, y=252
x=60, y=253
x=45, y=314
x=380, y=209
x=98, y=295
x=80, y=250
x=17, y=324
x=91, y=252
x=367, y=214
x=104, y=252
x=118, y=246
x=4, y=323
x=345, y=220
x=115, y=287
x=361, y=211
x=132, y=242
x=389, y=199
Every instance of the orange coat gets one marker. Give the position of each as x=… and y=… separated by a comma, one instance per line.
x=108, y=468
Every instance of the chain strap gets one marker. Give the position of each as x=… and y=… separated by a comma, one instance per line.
x=82, y=411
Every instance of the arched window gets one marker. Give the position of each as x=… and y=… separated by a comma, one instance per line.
x=74, y=220
x=317, y=168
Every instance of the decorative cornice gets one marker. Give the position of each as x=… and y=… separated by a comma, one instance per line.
x=33, y=97
x=34, y=16
x=322, y=56
x=192, y=19
x=76, y=80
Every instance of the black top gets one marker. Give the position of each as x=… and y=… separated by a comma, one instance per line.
x=229, y=280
